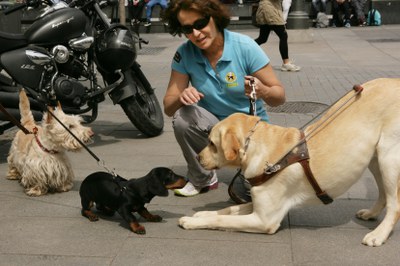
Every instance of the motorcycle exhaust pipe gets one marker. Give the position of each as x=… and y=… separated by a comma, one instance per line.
x=11, y=100
x=16, y=114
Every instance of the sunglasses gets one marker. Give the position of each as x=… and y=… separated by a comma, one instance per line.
x=197, y=25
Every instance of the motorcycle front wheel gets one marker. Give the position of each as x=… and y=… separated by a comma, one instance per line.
x=143, y=108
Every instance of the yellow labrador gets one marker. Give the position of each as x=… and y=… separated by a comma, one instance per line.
x=359, y=131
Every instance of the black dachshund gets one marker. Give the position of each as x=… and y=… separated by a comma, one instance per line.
x=114, y=193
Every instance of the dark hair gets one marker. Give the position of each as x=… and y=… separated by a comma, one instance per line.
x=212, y=8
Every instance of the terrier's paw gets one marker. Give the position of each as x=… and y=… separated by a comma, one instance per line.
x=13, y=174
x=66, y=187
x=35, y=192
x=12, y=177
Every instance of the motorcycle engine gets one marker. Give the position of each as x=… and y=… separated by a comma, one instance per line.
x=69, y=92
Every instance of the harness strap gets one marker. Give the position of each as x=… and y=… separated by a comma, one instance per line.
x=322, y=195
x=298, y=154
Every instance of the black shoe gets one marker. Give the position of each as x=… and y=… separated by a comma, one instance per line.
x=239, y=189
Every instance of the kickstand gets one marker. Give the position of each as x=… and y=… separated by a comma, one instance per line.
x=140, y=40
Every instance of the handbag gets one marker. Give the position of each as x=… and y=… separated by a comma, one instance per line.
x=254, y=8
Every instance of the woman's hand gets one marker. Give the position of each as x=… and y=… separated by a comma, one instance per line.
x=267, y=86
x=248, y=88
x=190, y=96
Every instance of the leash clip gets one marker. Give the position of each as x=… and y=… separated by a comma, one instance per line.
x=253, y=96
x=103, y=164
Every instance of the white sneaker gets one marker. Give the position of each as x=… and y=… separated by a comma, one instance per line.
x=147, y=24
x=190, y=190
x=290, y=67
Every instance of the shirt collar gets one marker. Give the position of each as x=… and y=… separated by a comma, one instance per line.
x=226, y=54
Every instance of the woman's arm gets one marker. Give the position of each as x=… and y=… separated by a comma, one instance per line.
x=267, y=86
x=179, y=94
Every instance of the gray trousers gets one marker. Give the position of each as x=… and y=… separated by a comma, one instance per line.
x=191, y=126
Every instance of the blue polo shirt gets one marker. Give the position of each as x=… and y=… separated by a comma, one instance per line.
x=223, y=88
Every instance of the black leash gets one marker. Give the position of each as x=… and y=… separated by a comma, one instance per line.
x=14, y=121
x=99, y=161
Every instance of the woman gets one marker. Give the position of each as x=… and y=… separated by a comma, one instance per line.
x=210, y=79
x=269, y=16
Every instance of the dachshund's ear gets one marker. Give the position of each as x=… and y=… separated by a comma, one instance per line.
x=230, y=145
x=156, y=185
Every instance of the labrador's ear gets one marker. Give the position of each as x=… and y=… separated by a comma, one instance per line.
x=230, y=145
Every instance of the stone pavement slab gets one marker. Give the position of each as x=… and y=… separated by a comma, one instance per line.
x=50, y=230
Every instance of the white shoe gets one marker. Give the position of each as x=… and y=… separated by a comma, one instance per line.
x=190, y=190
x=147, y=24
x=290, y=67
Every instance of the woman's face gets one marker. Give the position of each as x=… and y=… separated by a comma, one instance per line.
x=202, y=38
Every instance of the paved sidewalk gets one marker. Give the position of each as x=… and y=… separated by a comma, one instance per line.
x=49, y=230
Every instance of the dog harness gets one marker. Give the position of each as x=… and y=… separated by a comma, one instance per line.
x=299, y=154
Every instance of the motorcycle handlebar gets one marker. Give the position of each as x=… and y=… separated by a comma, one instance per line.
x=14, y=8
x=102, y=3
x=71, y=3
x=28, y=3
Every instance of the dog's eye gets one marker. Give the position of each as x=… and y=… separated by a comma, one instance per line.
x=212, y=146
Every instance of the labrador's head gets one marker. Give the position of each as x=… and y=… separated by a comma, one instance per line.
x=226, y=141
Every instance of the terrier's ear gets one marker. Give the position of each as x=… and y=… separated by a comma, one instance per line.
x=49, y=117
x=230, y=145
x=59, y=106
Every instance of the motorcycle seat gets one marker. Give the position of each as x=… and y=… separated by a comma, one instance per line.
x=10, y=41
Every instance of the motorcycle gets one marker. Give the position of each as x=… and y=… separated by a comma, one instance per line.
x=58, y=59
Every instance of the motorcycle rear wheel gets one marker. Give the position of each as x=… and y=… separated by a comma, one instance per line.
x=144, y=110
